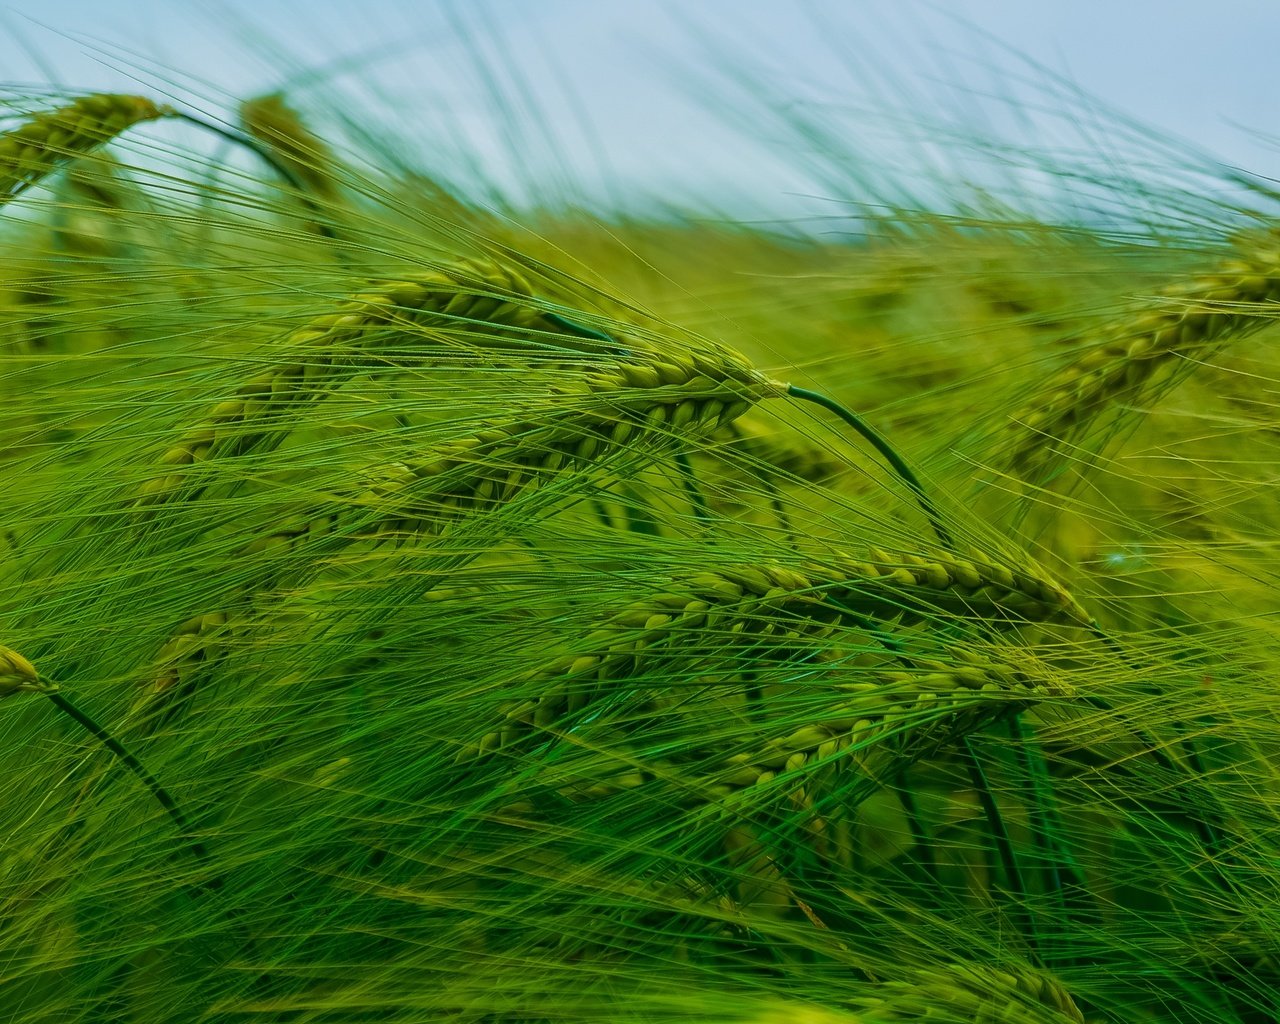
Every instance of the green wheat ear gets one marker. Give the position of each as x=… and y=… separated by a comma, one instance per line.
x=32, y=150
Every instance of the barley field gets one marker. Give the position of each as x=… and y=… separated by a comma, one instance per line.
x=421, y=607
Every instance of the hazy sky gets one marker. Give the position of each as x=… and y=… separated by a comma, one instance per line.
x=649, y=96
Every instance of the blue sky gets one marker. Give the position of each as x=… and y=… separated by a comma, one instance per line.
x=630, y=96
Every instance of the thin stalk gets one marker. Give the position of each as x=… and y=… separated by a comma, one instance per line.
x=1020, y=912
x=886, y=451
x=754, y=696
x=784, y=520
x=139, y=770
x=701, y=512
x=212, y=884
x=1063, y=876
x=637, y=520
x=602, y=513
x=920, y=839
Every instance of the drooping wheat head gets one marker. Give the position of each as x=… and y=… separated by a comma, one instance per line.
x=462, y=314
x=633, y=410
x=17, y=675
x=972, y=992
x=280, y=128
x=1187, y=321
x=777, y=605
x=32, y=150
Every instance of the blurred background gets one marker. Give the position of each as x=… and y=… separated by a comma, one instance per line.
x=748, y=107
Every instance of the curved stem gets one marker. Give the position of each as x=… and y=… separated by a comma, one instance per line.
x=886, y=451
x=240, y=139
x=137, y=768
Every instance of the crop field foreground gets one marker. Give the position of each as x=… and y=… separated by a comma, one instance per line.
x=420, y=608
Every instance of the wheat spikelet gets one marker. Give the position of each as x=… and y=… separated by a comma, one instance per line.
x=195, y=641
x=182, y=662
x=793, y=1012
x=1192, y=317
x=935, y=997
x=974, y=587
x=275, y=124
x=101, y=181
x=964, y=692
x=891, y=719
x=17, y=675
x=787, y=607
x=973, y=994
x=624, y=408
x=32, y=150
x=764, y=601
x=89, y=218
x=956, y=994
x=602, y=410
x=320, y=356
x=629, y=407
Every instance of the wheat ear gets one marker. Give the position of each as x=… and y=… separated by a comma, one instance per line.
x=954, y=994
x=777, y=602
x=977, y=587
x=196, y=641
x=320, y=356
x=17, y=675
x=623, y=407
x=32, y=150
x=877, y=725
x=626, y=408
x=1189, y=319
x=280, y=128
x=631, y=407
x=87, y=217
x=972, y=992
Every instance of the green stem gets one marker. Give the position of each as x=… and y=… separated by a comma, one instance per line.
x=197, y=848
x=784, y=520
x=140, y=772
x=754, y=696
x=637, y=520
x=581, y=331
x=1063, y=876
x=919, y=838
x=602, y=513
x=701, y=513
x=1021, y=913
x=886, y=451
